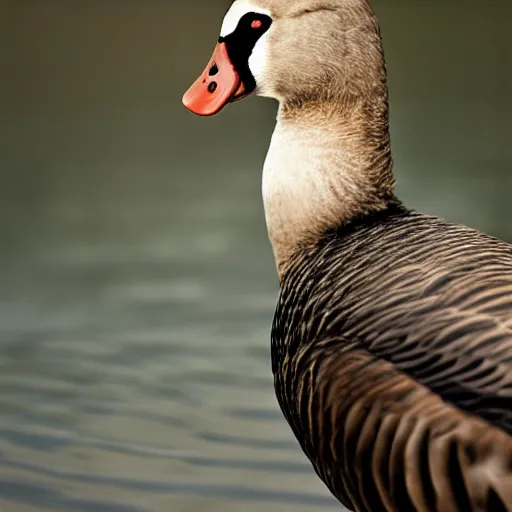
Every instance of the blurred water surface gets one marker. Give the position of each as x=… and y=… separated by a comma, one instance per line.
x=137, y=283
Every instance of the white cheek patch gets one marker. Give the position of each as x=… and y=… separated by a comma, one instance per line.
x=260, y=69
x=258, y=64
x=238, y=9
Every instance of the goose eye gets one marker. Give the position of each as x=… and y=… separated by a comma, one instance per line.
x=256, y=24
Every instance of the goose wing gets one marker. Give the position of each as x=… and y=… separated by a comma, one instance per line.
x=382, y=441
x=455, y=339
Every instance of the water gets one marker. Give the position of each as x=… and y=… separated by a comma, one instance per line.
x=135, y=362
x=137, y=282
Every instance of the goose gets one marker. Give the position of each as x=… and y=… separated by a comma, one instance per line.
x=391, y=343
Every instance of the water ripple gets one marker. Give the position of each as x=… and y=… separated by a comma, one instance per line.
x=269, y=444
x=197, y=489
x=51, y=442
x=54, y=499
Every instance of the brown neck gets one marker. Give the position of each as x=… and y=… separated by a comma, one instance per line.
x=327, y=163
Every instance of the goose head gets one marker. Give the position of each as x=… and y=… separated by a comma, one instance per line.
x=298, y=51
x=329, y=159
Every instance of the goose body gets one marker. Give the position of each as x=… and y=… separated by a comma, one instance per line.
x=392, y=357
x=392, y=337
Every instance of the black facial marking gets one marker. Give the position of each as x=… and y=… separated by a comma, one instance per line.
x=240, y=44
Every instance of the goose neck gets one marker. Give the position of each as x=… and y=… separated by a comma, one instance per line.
x=323, y=167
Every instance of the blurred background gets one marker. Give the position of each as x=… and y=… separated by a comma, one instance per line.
x=137, y=284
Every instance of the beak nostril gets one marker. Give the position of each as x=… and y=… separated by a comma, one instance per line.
x=214, y=70
x=212, y=87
